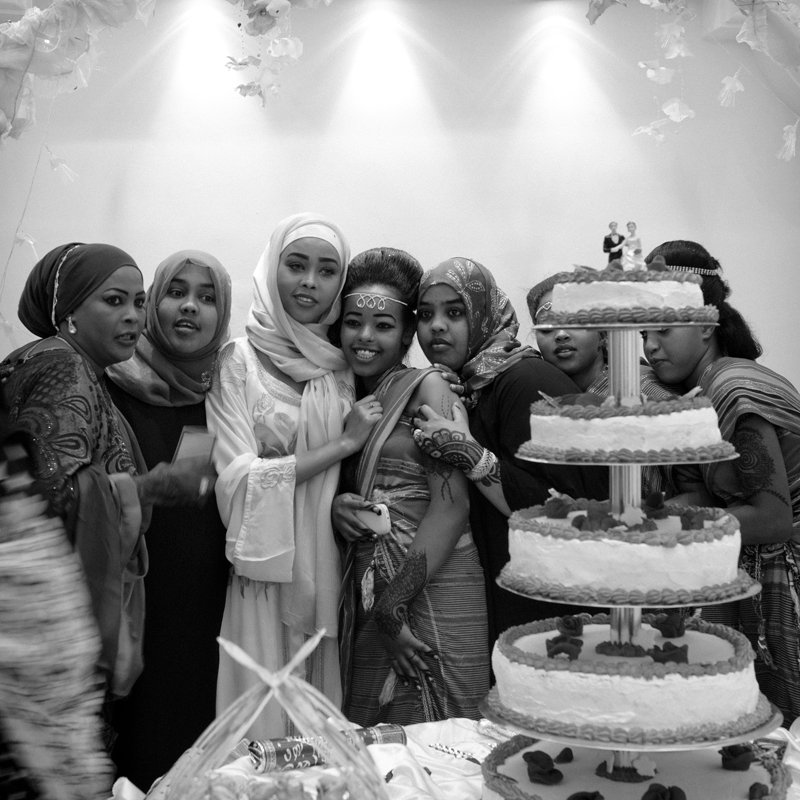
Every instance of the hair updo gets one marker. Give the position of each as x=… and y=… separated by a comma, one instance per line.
x=734, y=336
x=385, y=266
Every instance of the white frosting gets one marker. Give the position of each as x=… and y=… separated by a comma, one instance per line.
x=571, y=297
x=657, y=703
x=692, y=428
x=616, y=564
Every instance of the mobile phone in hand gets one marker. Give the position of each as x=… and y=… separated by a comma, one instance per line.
x=196, y=440
x=376, y=518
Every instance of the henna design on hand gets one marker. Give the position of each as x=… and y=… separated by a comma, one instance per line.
x=391, y=609
x=449, y=446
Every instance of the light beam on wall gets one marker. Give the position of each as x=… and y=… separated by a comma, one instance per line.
x=383, y=84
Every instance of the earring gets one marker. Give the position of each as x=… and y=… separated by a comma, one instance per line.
x=71, y=326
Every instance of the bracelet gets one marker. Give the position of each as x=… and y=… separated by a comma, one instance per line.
x=484, y=466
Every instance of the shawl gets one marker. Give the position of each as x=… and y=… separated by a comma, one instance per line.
x=156, y=374
x=738, y=386
x=393, y=391
x=303, y=352
x=493, y=325
x=61, y=280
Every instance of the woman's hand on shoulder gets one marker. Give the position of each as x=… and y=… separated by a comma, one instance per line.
x=451, y=378
x=361, y=420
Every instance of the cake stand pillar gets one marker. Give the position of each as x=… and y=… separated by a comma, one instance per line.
x=624, y=386
x=625, y=479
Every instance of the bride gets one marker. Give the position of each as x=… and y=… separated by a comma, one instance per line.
x=632, y=258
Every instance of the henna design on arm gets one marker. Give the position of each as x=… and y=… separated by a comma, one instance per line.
x=494, y=476
x=755, y=466
x=443, y=471
x=391, y=609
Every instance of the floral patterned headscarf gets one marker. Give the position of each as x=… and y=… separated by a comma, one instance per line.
x=493, y=325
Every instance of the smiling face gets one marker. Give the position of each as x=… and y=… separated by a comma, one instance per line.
x=442, y=327
x=576, y=351
x=111, y=319
x=373, y=333
x=309, y=278
x=188, y=313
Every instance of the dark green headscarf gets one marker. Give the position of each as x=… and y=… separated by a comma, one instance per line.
x=63, y=279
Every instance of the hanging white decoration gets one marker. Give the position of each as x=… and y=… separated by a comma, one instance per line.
x=54, y=45
x=731, y=86
x=656, y=73
x=268, y=24
x=677, y=110
x=787, y=151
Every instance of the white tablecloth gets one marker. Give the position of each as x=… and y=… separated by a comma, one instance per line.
x=421, y=770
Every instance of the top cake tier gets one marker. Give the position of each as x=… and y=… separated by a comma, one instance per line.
x=612, y=296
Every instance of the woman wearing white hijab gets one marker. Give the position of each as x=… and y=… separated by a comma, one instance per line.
x=279, y=407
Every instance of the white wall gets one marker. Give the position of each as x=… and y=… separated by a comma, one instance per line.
x=497, y=130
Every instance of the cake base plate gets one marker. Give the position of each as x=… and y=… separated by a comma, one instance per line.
x=636, y=458
x=737, y=593
x=498, y=719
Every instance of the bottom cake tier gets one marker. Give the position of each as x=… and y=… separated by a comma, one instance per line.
x=580, y=772
x=565, y=677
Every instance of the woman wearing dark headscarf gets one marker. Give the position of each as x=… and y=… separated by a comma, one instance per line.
x=160, y=390
x=466, y=323
x=86, y=302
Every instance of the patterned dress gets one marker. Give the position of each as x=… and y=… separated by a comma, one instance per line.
x=449, y=614
x=79, y=440
x=771, y=620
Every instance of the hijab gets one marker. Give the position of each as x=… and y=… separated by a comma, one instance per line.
x=61, y=280
x=304, y=353
x=491, y=318
x=156, y=373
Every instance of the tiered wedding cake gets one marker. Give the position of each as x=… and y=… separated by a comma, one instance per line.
x=616, y=686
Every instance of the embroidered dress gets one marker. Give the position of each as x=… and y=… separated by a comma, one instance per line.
x=449, y=614
x=255, y=412
x=771, y=620
x=79, y=442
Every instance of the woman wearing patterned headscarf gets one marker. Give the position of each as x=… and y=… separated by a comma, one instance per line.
x=467, y=324
x=160, y=390
x=279, y=407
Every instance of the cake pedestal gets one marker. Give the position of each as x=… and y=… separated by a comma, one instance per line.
x=625, y=493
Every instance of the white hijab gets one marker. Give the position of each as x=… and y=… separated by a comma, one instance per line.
x=304, y=353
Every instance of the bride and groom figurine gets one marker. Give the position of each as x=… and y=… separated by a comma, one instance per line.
x=628, y=249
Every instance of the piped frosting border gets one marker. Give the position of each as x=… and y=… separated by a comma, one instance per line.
x=529, y=586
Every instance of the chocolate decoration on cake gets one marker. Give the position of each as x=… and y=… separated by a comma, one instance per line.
x=541, y=768
x=657, y=791
x=737, y=757
x=670, y=626
x=670, y=652
x=566, y=756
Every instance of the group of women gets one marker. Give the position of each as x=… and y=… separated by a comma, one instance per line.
x=319, y=425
